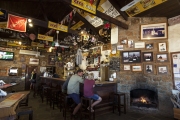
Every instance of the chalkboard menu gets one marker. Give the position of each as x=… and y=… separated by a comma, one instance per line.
x=114, y=64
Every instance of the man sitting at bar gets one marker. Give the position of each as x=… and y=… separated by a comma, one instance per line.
x=73, y=89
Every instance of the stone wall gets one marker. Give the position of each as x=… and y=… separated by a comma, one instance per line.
x=128, y=80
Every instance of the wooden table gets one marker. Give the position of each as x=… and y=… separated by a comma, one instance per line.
x=8, y=104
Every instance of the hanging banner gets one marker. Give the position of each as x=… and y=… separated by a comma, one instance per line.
x=95, y=21
x=57, y=26
x=84, y=5
x=3, y=24
x=16, y=23
x=143, y=5
x=109, y=10
x=77, y=25
x=44, y=37
x=3, y=13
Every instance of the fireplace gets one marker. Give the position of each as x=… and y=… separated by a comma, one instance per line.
x=143, y=98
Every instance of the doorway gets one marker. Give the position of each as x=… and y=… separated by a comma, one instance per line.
x=29, y=69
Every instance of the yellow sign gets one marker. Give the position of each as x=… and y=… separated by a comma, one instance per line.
x=1, y=13
x=84, y=5
x=35, y=44
x=57, y=26
x=15, y=44
x=44, y=37
x=3, y=24
x=77, y=25
x=143, y=5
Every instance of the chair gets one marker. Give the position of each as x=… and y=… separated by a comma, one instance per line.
x=117, y=102
x=85, y=103
x=24, y=111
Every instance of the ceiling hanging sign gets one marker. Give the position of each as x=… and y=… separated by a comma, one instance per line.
x=57, y=26
x=3, y=25
x=44, y=37
x=84, y=5
x=77, y=25
x=109, y=9
x=95, y=21
x=16, y=23
x=143, y=5
x=3, y=13
x=36, y=44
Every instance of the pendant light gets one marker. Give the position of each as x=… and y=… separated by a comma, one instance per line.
x=57, y=42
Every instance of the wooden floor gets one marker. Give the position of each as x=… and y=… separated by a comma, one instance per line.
x=42, y=111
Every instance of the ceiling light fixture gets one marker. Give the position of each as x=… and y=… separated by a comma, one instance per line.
x=29, y=20
x=30, y=24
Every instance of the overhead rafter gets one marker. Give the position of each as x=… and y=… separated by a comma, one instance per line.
x=116, y=6
x=101, y=15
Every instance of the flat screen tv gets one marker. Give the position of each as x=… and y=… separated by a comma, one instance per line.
x=5, y=55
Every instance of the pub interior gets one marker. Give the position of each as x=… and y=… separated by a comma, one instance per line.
x=131, y=47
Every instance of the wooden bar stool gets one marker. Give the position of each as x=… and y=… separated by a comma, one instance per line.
x=85, y=103
x=117, y=102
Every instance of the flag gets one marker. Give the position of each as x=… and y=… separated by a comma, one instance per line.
x=16, y=23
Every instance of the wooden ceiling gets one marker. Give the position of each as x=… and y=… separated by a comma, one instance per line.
x=55, y=10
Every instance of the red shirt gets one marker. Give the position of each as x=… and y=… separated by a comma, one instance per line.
x=88, y=87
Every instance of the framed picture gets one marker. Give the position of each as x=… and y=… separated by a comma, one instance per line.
x=131, y=56
x=124, y=41
x=149, y=46
x=120, y=47
x=148, y=69
x=162, y=57
x=162, y=47
x=127, y=67
x=154, y=31
x=139, y=45
x=34, y=61
x=162, y=69
x=51, y=60
x=147, y=56
x=130, y=44
x=136, y=68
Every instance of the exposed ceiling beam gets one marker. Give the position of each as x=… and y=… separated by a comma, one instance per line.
x=102, y=15
x=116, y=6
x=97, y=3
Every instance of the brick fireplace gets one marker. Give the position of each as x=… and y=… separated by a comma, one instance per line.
x=159, y=85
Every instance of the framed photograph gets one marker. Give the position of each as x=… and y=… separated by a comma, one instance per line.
x=136, y=68
x=162, y=47
x=34, y=61
x=124, y=41
x=148, y=69
x=154, y=31
x=131, y=56
x=120, y=47
x=162, y=57
x=51, y=60
x=130, y=44
x=149, y=46
x=162, y=70
x=139, y=45
x=127, y=67
x=147, y=56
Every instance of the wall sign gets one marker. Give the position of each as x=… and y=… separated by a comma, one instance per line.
x=84, y=5
x=77, y=25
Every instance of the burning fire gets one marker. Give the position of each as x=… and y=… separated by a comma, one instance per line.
x=143, y=100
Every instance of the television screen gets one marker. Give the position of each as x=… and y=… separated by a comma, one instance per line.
x=4, y=55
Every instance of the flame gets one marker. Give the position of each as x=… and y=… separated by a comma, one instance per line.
x=143, y=100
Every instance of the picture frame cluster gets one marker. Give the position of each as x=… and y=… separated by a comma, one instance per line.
x=146, y=56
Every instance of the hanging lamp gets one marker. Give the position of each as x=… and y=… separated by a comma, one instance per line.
x=57, y=42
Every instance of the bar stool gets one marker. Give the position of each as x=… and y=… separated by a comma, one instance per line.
x=85, y=103
x=117, y=102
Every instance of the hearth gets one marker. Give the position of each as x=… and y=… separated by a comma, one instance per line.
x=143, y=98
